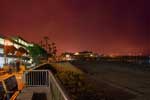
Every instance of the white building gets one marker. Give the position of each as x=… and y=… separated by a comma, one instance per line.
x=17, y=42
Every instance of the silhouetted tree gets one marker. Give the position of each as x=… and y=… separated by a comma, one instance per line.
x=54, y=50
x=46, y=42
x=50, y=47
x=36, y=52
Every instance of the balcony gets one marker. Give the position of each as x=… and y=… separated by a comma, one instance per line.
x=41, y=85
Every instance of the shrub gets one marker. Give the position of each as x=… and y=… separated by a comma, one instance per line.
x=75, y=82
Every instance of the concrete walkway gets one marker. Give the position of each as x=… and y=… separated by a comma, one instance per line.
x=35, y=93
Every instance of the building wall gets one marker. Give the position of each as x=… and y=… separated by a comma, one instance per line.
x=1, y=41
x=17, y=44
x=1, y=62
x=9, y=60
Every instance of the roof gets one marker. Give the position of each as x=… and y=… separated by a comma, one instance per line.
x=19, y=37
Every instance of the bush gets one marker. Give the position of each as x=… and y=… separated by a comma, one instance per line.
x=75, y=82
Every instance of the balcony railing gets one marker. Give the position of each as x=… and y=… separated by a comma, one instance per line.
x=36, y=78
x=44, y=78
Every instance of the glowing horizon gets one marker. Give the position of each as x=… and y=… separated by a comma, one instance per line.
x=119, y=27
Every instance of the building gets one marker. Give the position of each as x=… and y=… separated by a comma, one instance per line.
x=17, y=42
x=85, y=55
x=67, y=56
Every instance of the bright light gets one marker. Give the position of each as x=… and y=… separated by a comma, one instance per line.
x=91, y=55
x=29, y=44
x=77, y=53
x=67, y=56
x=7, y=42
x=1, y=41
x=1, y=62
x=16, y=45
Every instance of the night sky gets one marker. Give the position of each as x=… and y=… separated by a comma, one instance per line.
x=103, y=26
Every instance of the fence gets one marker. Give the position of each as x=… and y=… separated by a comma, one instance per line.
x=44, y=78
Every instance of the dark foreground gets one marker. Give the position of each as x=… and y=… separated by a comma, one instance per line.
x=120, y=81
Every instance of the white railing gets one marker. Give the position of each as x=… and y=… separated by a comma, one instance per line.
x=45, y=78
x=36, y=78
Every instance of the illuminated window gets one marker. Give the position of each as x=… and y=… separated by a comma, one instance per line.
x=77, y=53
x=17, y=46
x=1, y=50
x=7, y=42
x=2, y=41
x=1, y=62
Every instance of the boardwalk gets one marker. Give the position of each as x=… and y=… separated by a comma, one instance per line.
x=35, y=93
x=41, y=85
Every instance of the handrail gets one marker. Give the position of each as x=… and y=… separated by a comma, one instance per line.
x=14, y=96
x=39, y=78
x=62, y=91
x=34, y=78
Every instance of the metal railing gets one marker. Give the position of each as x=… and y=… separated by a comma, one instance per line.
x=36, y=78
x=44, y=78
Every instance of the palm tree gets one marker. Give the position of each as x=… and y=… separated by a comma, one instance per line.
x=53, y=44
x=46, y=42
x=41, y=43
x=49, y=48
x=54, y=50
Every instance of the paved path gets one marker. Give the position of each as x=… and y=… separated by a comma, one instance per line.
x=34, y=93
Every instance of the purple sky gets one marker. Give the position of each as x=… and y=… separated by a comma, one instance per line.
x=104, y=26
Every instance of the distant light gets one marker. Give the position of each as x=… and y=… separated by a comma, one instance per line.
x=77, y=53
x=67, y=56
x=91, y=55
x=111, y=55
